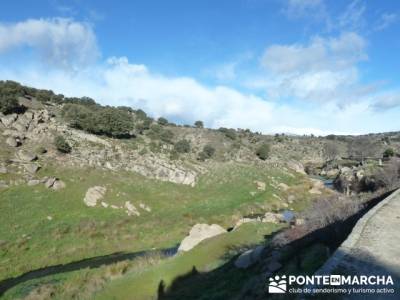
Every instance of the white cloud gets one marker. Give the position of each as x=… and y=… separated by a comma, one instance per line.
x=305, y=8
x=386, y=20
x=323, y=70
x=386, y=101
x=61, y=42
x=353, y=16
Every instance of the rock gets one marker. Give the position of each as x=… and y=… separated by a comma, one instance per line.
x=12, y=142
x=94, y=194
x=50, y=182
x=296, y=166
x=145, y=207
x=114, y=206
x=32, y=168
x=270, y=217
x=299, y=221
x=58, y=185
x=253, y=193
x=49, y=218
x=283, y=186
x=33, y=182
x=249, y=257
x=291, y=199
x=26, y=156
x=198, y=233
x=260, y=185
x=104, y=204
x=8, y=119
x=3, y=169
x=332, y=173
x=3, y=184
x=317, y=186
x=243, y=221
x=131, y=209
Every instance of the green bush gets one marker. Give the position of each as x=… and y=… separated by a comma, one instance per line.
x=263, y=151
x=389, y=152
x=167, y=136
x=61, y=144
x=199, y=124
x=229, y=132
x=108, y=121
x=162, y=121
x=9, y=104
x=182, y=146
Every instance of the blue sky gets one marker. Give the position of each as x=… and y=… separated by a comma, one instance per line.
x=299, y=66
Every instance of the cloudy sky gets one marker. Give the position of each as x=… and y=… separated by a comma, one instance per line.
x=293, y=66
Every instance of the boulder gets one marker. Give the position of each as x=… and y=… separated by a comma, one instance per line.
x=296, y=166
x=33, y=182
x=198, y=233
x=283, y=186
x=50, y=182
x=58, y=185
x=260, y=185
x=270, y=217
x=94, y=194
x=131, y=209
x=249, y=257
x=8, y=119
x=32, y=168
x=144, y=207
x=3, y=169
x=12, y=142
x=332, y=173
x=26, y=156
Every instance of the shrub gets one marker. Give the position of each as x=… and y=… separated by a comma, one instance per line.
x=61, y=144
x=199, y=124
x=209, y=150
x=229, y=132
x=389, y=152
x=108, y=121
x=167, y=136
x=263, y=151
x=182, y=146
x=8, y=104
x=162, y=121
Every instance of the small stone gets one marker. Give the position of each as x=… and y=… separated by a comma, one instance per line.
x=32, y=168
x=33, y=182
x=49, y=218
x=58, y=185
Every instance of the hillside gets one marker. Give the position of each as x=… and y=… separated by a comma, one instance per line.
x=82, y=181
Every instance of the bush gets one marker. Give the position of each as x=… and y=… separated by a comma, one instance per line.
x=263, y=151
x=199, y=124
x=108, y=121
x=208, y=152
x=182, y=146
x=61, y=144
x=229, y=132
x=8, y=104
x=167, y=136
x=162, y=121
x=389, y=152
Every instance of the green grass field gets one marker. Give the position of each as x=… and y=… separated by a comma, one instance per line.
x=31, y=241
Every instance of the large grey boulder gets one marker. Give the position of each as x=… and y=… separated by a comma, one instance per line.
x=58, y=185
x=249, y=257
x=32, y=168
x=12, y=141
x=94, y=194
x=198, y=233
x=7, y=120
x=50, y=182
x=26, y=156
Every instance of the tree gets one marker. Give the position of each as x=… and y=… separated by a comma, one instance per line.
x=8, y=104
x=208, y=152
x=182, y=146
x=162, y=121
x=263, y=151
x=61, y=144
x=199, y=124
x=229, y=132
x=389, y=152
x=331, y=150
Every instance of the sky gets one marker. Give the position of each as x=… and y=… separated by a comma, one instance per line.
x=275, y=66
